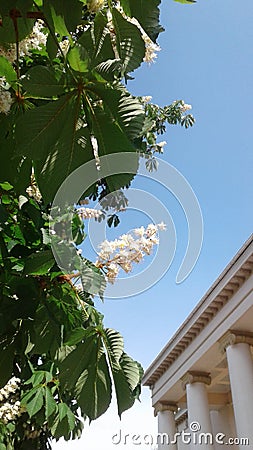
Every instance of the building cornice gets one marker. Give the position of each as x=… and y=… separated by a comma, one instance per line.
x=233, y=337
x=219, y=294
x=165, y=406
x=196, y=377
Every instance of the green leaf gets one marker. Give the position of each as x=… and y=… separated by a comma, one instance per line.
x=76, y=362
x=63, y=18
x=7, y=71
x=147, y=13
x=40, y=81
x=97, y=43
x=130, y=45
x=109, y=69
x=114, y=344
x=52, y=47
x=122, y=107
x=108, y=133
x=6, y=186
x=77, y=58
x=92, y=280
x=86, y=370
x=56, y=149
x=40, y=128
x=64, y=422
x=124, y=396
x=26, y=289
x=54, y=15
x=46, y=333
x=39, y=263
x=75, y=336
x=132, y=370
x=36, y=378
x=93, y=388
x=50, y=403
x=35, y=404
x=126, y=379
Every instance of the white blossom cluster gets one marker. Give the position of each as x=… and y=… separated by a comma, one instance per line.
x=35, y=40
x=151, y=48
x=10, y=407
x=160, y=146
x=128, y=249
x=5, y=96
x=184, y=107
x=88, y=213
x=64, y=46
x=146, y=98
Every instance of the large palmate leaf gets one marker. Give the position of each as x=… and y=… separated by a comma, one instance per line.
x=94, y=387
x=126, y=372
x=130, y=45
x=75, y=362
x=77, y=58
x=9, y=166
x=70, y=152
x=114, y=344
x=127, y=379
x=50, y=136
x=86, y=370
x=93, y=281
x=147, y=13
x=41, y=128
x=39, y=263
x=125, y=109
x=111, y=139
x=64, y=421
x=97, y=42
x=41, y=81
x=61, y=18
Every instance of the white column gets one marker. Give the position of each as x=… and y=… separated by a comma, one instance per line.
x=166, y=425
x=198, y=410
x=221, y=425
x=240, y=368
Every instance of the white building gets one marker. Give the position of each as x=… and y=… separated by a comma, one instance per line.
x=202, y=380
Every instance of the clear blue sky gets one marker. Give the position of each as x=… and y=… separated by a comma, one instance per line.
x=207, y=60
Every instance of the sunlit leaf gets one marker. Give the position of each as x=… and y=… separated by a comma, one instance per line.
x=39, y=263
x=7, y=71
x=41, y=82
x=130, y=45
x=147, y=13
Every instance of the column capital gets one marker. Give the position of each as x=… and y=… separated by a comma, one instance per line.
x=196, y=377
x=164, y=405
x=235, y=337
